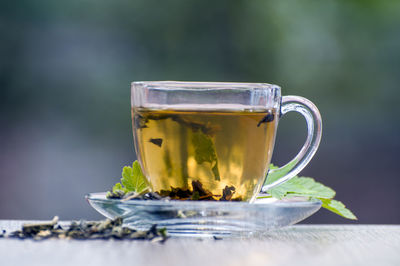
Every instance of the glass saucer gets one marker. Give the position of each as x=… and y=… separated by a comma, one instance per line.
x=206, y=218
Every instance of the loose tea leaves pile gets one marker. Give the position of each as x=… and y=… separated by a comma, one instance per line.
x=85, y=230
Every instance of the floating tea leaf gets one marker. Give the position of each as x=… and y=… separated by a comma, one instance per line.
x=157, y=142
x=268, y=118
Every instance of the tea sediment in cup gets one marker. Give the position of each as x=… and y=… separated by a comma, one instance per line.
x=217, y=148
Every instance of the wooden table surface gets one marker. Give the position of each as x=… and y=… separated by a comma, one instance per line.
x=296, y=245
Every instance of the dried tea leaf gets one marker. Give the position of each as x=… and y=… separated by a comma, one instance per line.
x=34, y=228
x=87, y=230
x=116, y=193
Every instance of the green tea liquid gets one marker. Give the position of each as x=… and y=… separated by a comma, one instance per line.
x=217, y=148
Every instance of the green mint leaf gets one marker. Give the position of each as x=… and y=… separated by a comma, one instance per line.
x=278, y=192
x=302, y=186
x=117, y=187
x=205, y=151
x=338, y=208
x=306, y=187
x=133, y=179
x=274, y=174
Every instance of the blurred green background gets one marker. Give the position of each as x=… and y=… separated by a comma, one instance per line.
x=66, y=68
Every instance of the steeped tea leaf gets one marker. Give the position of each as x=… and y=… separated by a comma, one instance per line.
x=133, y=179
x=204, y=148
x=266, y=119
x=215, y=171
x=205, y=151
x=227, y=193
x=157, y=142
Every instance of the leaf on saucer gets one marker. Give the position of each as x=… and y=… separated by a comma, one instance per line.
x=133, y=179
x=117, y=187
x=275, y=172
x=306, y=187
x=302, y=186
x=338, y=208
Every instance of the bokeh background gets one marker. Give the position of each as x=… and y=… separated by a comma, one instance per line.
x=66, y=68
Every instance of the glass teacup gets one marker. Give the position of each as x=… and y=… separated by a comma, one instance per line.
x=216, y=138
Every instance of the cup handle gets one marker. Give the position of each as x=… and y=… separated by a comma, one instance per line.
x=314, y=130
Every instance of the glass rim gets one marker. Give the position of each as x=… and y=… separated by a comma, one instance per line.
x=192, y=85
